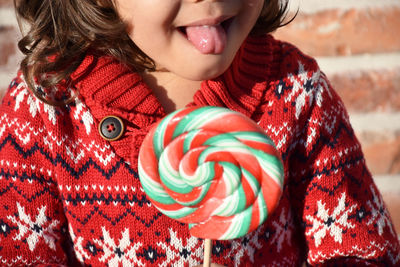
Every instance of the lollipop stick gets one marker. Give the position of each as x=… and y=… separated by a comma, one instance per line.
x=207, y=253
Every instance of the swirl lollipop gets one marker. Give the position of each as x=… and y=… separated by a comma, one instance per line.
x=212, y=168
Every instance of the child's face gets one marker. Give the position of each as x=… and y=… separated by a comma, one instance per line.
x=171, y=32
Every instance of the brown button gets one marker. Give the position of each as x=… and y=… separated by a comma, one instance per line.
x=111, y=128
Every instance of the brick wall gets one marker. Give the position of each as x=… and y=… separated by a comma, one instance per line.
x=9, y=34
x=357, y=44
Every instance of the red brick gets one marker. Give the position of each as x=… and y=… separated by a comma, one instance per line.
x=6, y=3
x=381, y=151
x=337, y=32
x=369, y=90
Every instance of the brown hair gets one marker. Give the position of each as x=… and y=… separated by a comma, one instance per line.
x=62, y=31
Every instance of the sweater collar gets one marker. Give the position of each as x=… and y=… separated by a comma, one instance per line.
x=110, y=87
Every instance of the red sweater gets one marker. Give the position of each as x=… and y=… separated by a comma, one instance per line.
x=67, y=194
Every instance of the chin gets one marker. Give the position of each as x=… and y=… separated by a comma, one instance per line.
x=201, y=72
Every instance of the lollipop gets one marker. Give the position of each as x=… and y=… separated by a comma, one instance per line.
x=213, y=169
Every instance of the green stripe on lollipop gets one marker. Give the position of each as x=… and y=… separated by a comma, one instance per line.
x=204, y=173
x=177, y=214
x=270, y=164
x=232, y=176
x=232, y=204
x=153, y=189
x=252, y=181
x=197, y=118
x=188, y=140
x=223, y=140
x=171, y=178
x=262, y=207
x=253, y=136
x=240, y=225
x=159, y=134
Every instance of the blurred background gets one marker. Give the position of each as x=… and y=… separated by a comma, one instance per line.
x=356, y=43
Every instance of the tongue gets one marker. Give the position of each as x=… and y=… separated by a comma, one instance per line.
x=207, y=39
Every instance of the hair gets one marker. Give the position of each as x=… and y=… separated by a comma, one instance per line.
x=60, y=32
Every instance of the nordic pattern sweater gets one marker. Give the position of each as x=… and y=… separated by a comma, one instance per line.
x=67, y=195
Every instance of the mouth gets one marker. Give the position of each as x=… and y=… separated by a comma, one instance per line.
x=208, y=36
x=225, y=23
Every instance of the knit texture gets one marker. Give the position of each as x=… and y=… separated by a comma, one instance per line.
x=69, y=196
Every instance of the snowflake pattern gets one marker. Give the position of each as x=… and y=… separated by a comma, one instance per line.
x=35, y=105
x=80, y=253
x=22, y=94
x=246, y=245
x=82, y=113
x=284, y=228
x=33, y=231
x=380, y=216
x=307, y=84
x=179, y=252
x=122, y=254
x=334, y=224
x=393, y=256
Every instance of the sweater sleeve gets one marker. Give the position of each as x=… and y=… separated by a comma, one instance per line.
x=32, y=223
x=344, y=218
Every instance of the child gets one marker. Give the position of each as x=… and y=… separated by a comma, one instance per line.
x=98, y=74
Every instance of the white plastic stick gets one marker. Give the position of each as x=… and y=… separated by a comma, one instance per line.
x=207, y=252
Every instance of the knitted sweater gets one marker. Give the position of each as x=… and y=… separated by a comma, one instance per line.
x=67, y=195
